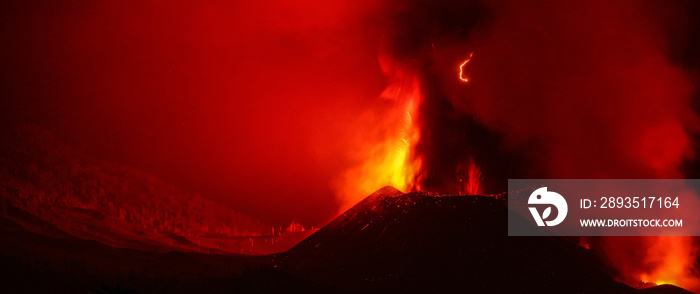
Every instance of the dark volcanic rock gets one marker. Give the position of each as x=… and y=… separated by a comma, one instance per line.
x=425, y=243
x=665, y=289
x=390, y=242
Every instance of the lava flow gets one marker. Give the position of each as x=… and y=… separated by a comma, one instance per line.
x=674, y=259
x=390, y=157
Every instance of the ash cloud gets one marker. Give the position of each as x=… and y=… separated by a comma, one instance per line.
x=557, y=90
x=561, y=89
x=586, y=89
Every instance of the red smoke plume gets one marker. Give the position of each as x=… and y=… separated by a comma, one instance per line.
x=587, y=90
x=263, y=105
x=246, y=102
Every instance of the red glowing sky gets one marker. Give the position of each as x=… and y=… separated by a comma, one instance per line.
x=247, y=103
x=259, y=105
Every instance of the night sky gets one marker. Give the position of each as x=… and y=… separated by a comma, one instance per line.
x=250, y=104
x=261, y=105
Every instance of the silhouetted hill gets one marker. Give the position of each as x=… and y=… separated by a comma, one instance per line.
x=110, y=203
x=433, y=244
x=39, y=258
x=389, y=242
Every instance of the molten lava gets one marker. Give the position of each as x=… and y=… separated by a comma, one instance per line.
x=644, y=262
x=461, y=68
x=470, y=178
x=471, y=182
x=673, y=262
x=475, y=178
x=390, y=158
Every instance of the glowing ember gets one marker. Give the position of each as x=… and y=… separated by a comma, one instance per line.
x=584, y=242
x=461, y=68
x=295, y=227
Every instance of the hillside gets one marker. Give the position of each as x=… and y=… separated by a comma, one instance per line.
x=113, y=204
x=390, y=242
x=425, y=243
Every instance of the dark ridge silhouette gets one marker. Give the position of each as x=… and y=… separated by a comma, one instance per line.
x=116, y=205
x=420, y=242
x=389, y=242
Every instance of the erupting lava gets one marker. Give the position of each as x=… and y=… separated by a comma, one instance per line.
x=473, y=185
x=648, y=261
x=470, y=178
x=461, y=68
x=674, y=260
x=389, y=158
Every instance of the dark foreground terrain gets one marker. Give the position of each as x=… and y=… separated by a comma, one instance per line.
x=389, y=242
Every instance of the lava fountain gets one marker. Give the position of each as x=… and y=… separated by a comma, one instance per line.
x=386, y=153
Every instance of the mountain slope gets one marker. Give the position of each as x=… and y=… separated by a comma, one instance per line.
x=110, y=203
x=418, y=242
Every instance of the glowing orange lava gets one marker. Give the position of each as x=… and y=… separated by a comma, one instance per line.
x=673, y=262
x=470, y=177
x=461, y=68
x=643, y=262
x=390, y=157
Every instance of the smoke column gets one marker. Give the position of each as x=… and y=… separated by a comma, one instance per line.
x=556, y=89
x=588, y=91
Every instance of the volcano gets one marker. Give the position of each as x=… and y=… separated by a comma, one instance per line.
x=389, y=242
x=419, y=242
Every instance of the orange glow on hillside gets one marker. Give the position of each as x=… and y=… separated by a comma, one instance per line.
x=470, y=178
x=672, y=262
x=644, y=262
